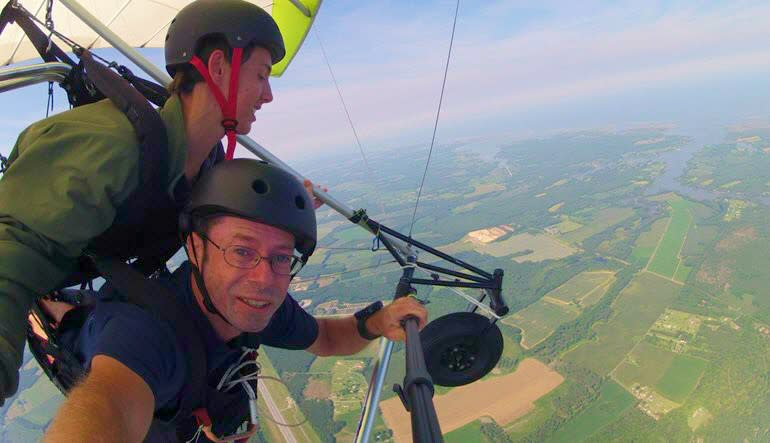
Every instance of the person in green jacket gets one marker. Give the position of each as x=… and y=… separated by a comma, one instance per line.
x=70, y=174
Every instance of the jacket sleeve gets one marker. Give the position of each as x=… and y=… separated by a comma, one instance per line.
x=63, y=186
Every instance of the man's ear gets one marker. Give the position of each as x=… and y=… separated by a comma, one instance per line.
x=194, y=245
x=219, y=69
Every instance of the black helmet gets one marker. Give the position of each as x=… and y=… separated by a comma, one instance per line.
x=256, y=191
x=242, y=23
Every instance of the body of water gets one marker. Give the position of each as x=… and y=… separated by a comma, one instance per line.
x=676, y=164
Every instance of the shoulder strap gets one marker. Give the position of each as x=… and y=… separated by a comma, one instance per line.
x=149, y=127
x=155, y=297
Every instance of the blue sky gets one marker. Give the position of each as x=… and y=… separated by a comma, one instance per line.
x=518, y=69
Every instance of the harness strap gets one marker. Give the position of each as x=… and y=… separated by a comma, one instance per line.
x=229, y=105
x=149, y=128
x=152, y=91
x=150, y=294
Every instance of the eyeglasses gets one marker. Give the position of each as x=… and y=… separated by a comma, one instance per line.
x=244, y=257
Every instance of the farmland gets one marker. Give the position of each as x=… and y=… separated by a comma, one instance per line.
x=647, y=241
x=637, y=308
x=504, y=398
x=666, y=260
x=644, y=365
x=612, y=401
x=597, y=222
x=581, y=286
x=559, y=306
x=681, y=377
x=539, y=320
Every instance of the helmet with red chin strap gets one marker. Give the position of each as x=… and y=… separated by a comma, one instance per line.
x=242, y=24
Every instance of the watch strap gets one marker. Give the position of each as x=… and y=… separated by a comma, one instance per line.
x=362, y=316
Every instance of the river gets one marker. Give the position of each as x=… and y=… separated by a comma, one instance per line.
x=676, y=164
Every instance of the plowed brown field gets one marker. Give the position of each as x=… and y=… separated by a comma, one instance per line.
x=504, y=398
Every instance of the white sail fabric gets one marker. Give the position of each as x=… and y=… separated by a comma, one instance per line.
x=142, y=24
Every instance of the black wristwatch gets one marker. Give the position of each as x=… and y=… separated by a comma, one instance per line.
x=363, y=315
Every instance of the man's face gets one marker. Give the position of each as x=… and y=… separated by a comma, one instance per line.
x=247, y=298
x=253, y=88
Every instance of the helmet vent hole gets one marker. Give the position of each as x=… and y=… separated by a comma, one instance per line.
x=260, y=187
x=299, y=201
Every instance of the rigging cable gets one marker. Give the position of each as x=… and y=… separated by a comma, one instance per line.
x=438, y=114
x=347, y=114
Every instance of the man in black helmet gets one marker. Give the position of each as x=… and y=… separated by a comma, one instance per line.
x=73, y=184
x=244, y=222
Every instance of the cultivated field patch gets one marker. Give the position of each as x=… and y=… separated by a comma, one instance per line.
x=681, y=377
x=566, y=225
x=485, y=188
x=612, y=402
x=635, y=310
x=556, y=207
x=666, y=259
x=582, y=285
x=465, y=434
x=644, y=365
x=598, y=222
x=538, y=320
x=504, y=398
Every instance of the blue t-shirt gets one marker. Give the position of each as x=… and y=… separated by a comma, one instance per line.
x=149, y=347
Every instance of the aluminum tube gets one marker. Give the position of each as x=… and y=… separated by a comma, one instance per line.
x=55, y=68
x=20, y=82
x=258, y=150
x=372, y=401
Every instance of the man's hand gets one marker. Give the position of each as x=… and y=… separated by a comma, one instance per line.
x=317, y=203
x=387, y=321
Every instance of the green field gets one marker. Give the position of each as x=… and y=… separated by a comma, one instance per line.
x=645, y=365
x=567, y=225
x=611, y=403
x=635, y=310
x=681, y=377
x=647, y=241
x=352, y=233
x=581, y=285
x=468, y=433
x=540, y=319
x=666, y=259
x=599, y=221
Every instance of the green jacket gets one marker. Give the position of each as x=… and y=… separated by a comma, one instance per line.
x=69, y=173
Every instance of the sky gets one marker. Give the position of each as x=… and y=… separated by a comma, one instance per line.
x=518, y=69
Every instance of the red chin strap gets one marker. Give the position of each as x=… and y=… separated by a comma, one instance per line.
x=229, y=105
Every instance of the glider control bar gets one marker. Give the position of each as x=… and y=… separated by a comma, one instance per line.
x=473, y=278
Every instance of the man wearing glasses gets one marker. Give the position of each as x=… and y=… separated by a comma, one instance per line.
x=244, y=223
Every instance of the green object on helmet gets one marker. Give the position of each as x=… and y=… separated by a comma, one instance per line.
x=240, y=22
x=256, y=191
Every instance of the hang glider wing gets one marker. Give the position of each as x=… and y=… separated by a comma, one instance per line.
x=143, y=24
